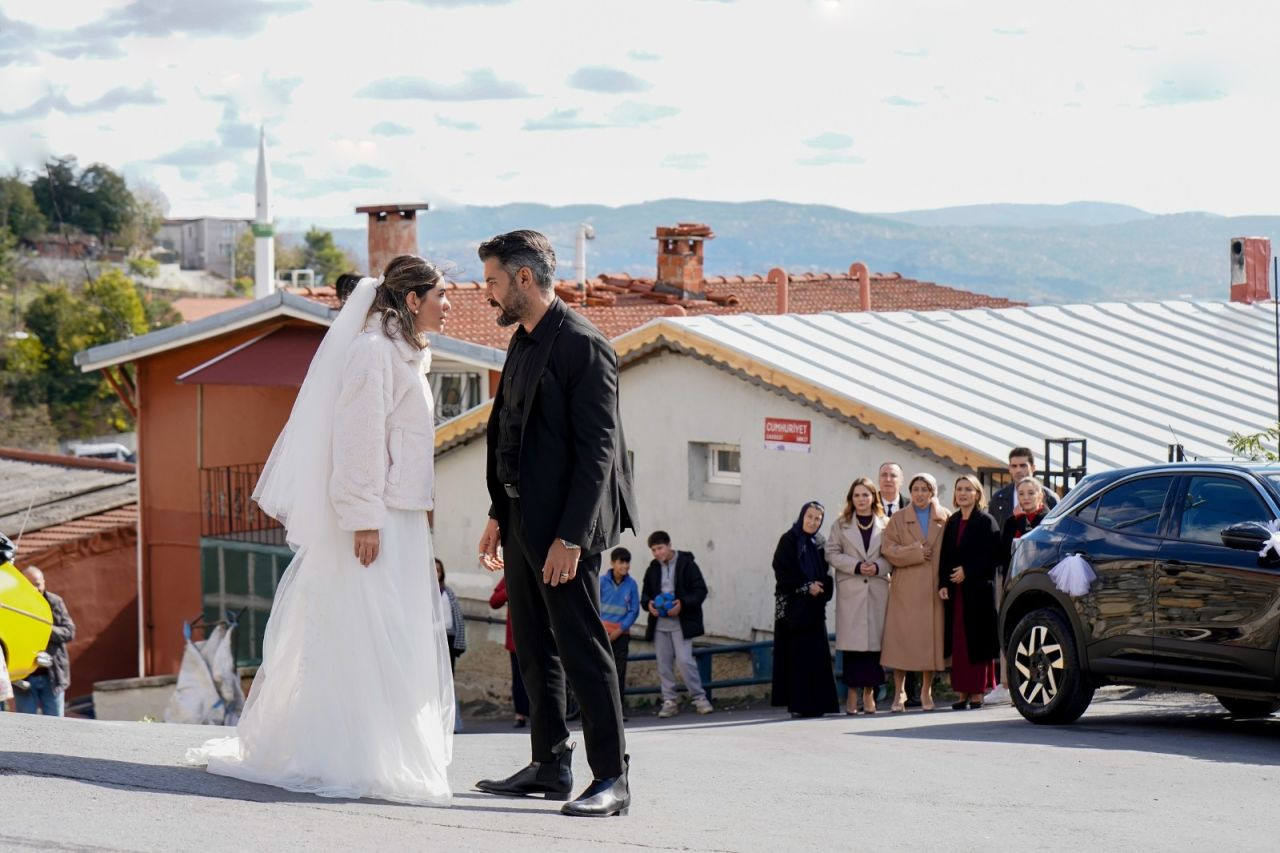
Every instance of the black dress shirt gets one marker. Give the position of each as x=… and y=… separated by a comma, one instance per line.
x=515, y=394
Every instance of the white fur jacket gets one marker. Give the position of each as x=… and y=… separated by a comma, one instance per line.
x=383, y=431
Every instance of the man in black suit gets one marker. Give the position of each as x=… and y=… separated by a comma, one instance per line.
x=1004, y=503
x=892, y=497
x=560, y=484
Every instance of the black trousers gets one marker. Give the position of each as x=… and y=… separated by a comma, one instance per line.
x=621, y=649
x=519, y=698
x=558, y=634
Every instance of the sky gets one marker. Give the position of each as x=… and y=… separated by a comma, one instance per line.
x=870, y=106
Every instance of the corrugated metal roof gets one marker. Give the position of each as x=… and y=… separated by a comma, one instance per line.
x=57, y=494
x=1125, y=376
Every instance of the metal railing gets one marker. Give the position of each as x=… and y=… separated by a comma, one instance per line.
x=761, y=667
x=227, y=510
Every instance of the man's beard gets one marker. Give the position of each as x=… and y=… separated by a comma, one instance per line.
x=511, y=314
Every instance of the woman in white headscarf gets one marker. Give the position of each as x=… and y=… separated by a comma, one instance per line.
x=354, y=697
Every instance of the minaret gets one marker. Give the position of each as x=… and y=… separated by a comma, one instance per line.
x=264, y=247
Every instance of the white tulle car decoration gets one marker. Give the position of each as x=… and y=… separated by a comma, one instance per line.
x=1073, y=575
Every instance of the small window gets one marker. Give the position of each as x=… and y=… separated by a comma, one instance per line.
x=455, y=393
x=1134, y=507
x=1213, y=504
x=725, y=465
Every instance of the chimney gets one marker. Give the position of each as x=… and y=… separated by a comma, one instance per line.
x=859, y=272
x=680, y=260
x=393, y=230
x=1250, y=269
x=782, y=283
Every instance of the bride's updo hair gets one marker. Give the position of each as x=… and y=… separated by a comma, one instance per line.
x=404, y=275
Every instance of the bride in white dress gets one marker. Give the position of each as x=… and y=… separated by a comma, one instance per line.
x=354, y=697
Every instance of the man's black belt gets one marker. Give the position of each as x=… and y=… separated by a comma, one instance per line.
x=513, y=491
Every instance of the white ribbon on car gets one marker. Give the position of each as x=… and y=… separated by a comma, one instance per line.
x=1073, y=575
x=1272, y=544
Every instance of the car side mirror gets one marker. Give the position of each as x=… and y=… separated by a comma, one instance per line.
x=1246, y=536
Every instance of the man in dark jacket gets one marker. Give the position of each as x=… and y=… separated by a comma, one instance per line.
x=1004, y=503
x=672, y=634
x=559, y=482
x=46, y=687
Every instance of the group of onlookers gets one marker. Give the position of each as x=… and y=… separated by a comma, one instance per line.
x=916, y=587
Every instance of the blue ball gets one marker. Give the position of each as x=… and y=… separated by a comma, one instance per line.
x=664, y=602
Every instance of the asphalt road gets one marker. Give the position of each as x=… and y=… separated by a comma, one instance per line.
x=1152, y=773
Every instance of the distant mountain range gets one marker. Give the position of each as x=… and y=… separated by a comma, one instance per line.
x=1079, y=252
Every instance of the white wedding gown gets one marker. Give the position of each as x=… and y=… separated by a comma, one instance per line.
x=354, y=697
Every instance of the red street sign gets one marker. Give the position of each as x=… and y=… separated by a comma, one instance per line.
x=787, y=435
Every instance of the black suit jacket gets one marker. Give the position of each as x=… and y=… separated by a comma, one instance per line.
x=575, y=478
x=690, y=591
x=1004, y=500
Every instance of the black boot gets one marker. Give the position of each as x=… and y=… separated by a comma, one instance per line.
x=552, y=779
x=603, y=797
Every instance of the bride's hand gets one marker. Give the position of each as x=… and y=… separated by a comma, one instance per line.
x=366, y=546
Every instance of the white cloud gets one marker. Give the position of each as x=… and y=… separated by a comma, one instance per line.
x=480, y=85
x=697, y=160
x=1054, y=107
x=120, y=96
x=599, y=78
x=829, y=141
x=390, y=128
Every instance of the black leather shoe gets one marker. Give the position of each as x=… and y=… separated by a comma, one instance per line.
x=552, y=779
x=603, y=797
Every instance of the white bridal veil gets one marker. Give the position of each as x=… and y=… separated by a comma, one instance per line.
x=294, y=486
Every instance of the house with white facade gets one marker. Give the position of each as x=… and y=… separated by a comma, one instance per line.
x=736, y=421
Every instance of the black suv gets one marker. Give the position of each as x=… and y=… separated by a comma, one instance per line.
x=1182, y=598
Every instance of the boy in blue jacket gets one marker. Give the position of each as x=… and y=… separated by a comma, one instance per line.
x=619, y=607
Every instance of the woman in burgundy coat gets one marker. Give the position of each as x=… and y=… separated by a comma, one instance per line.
x=966, y=583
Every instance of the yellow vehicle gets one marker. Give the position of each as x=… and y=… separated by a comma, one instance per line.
x=25, y=621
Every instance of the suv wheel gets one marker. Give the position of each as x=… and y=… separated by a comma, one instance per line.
x=1045, y=679
x=1249, y=707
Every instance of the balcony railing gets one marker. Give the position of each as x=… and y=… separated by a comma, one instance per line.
x=227, y=510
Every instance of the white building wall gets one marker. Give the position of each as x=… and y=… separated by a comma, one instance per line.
x=668, y=401
x=462, y=509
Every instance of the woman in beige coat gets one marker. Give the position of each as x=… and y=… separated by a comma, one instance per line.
x=913, y=633
x=862, y=591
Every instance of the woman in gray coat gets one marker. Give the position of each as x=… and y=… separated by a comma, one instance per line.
x=862, y=591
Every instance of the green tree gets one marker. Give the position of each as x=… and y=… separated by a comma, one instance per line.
x=159, y=311
x=108, y=205
x=321, y=255
x=1256, y=446
x=116, y=308
x=19, y=213
x=96, y=200
x=41, y=369
x=58, y=194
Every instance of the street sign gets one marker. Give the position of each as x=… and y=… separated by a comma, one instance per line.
x=787, y=435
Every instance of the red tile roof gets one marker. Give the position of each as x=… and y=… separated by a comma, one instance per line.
x=194, y=308
x=616, y=304
x=37, y=541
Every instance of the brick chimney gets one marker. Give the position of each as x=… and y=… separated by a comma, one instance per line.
x=1250, y=269
x=393, y=230
x=680, y=260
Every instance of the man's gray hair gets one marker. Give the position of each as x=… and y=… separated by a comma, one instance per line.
x=524, y=248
